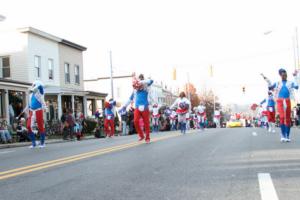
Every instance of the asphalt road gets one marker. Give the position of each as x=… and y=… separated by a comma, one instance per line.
x=214, y=164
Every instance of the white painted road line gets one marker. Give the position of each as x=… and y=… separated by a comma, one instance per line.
x=267, y=190
x=254, y=133
x=4, y=152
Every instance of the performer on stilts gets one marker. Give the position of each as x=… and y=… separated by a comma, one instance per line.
x=284, y=92
x=109, y=121
x=155, y=117
x=36, y=107
x=183, y=106
x=270, y=110
x=140, y=96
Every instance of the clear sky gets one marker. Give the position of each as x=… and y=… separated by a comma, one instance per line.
x=155, y=36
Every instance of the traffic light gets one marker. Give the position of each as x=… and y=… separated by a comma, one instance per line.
x=174, y=74
x=211, y=71
x=243, y=89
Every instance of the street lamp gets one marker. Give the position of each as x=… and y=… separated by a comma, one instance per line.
x=295, y=47
x=2, y=18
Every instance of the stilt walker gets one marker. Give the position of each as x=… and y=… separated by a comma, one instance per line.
x=109, y=121
x=270, y=111
x=36, y=107
x=140, y=97
x=284, y=92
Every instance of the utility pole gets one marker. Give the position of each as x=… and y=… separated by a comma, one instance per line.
x=294, y=51
x=111, y=76
x=211, y=73
x=188, y=86
x=297, y=48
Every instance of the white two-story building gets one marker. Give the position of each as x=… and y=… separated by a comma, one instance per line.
x=28, y=54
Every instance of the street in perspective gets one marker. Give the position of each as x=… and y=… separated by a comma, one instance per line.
x=144, y=100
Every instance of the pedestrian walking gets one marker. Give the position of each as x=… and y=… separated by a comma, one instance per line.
x=71, y=123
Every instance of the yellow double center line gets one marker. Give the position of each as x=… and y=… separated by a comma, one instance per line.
x=61, y=161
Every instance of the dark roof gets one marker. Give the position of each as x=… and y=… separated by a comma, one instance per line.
x=14, y=81
x=73, y=45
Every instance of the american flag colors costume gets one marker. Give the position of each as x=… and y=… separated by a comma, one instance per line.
x=284, y=92
x=140, y=96
x=109, y=124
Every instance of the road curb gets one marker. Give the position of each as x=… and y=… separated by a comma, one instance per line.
x=53, y=141
x=24, y=144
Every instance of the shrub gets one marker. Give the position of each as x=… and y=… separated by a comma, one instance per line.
x=91, y=125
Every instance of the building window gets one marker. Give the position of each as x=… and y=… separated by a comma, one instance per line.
x=37, y=66
x=67, y=72
x=50, y=69
x=76, y=70
x=5, y=67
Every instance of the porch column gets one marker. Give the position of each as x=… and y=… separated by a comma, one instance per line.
x=59, y=106
x=25, y=101
x=94, y=105
x=6, y=106
x=85, y=106
x=72, y=100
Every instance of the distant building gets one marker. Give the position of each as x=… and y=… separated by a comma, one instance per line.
x=123, y=89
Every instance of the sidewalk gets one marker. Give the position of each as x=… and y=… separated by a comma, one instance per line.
x=49, y=141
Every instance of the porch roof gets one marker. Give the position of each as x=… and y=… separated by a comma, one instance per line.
x=14, y=85
x=55, y=90
x=63, y=91
x=98, y=95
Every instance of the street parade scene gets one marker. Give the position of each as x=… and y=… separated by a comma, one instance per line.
x=151, y=100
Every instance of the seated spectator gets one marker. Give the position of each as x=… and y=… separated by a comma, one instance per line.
x=22, y=131
x=5, y=134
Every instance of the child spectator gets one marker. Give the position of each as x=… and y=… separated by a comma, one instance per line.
x=77, y=129
x=22, y=131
